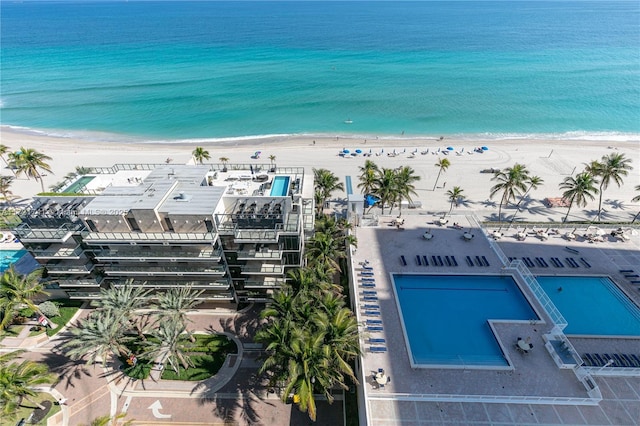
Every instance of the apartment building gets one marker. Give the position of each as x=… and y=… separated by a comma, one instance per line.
x=233, y=231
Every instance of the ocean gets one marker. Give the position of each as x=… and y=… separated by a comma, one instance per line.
x=184, y=71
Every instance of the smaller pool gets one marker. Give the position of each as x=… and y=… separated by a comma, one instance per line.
x=280, y=186
x=9, y=257
x=78, y=185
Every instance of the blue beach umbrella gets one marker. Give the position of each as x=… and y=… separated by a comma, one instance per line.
x=449, y=148
x=358, y=151
x=484, y=148
x=345, y=151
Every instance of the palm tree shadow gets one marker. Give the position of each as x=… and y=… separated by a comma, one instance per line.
x=68, y=371
x=615, y=204
x=489, y=203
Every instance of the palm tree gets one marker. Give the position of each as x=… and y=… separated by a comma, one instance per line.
x=17, y=291
x=327, y=183
x=200, y=154
x=324, y=249
x=511, y=182
x=98, y=336
x=170, y=344
x=385, y=188
x=533, y=182
x=454, y=196
x=272, y=159
x=17, y=383
x=174, y=304
x=612, y=167
x=3, y=151
x=578, y=190
x=5, y=188
x=368, y=176
x=635, y=199
x=442, y=165
x=124, y=301
x=405, y=177
x=30, y=162
x=224, y=161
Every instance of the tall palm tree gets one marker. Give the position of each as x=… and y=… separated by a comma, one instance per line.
x=272, y=159
x=454, y=196
x=124, y=301
x=174, y=304
x=612, y=168
x=224, y=161
x=578, y=190
x=327, y=183
x=29, y=162
x=170, y=343
x=100, y=335
x=324, y=249
x=17, y=383
x=368, y=176
x=3, y=151
x=5, y=188
x=442, y=165
x=17, y=291
x=533, y=182
x=200, y=154
x=635, y=199
x=511, y=183
x=385, y=188
x=405, y=178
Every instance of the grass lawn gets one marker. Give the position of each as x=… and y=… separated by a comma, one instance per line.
x=25, y=412
x=68, y=309
x=208, y=355
x=11, y=331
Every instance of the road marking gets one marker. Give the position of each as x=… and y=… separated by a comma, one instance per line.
x=126, y=404
x=155, y=409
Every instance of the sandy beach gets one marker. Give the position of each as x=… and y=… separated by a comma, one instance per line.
x=552, y=160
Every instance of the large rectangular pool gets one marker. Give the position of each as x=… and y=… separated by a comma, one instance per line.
x=79, y=185
x=280, y=186
x=593, y=306
x=445, y=317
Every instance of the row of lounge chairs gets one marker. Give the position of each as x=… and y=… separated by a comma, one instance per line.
x=631, y=276
x=540, y=262
x=450, y=261
x=368, y=284
x=619, y=360
x=477, y=261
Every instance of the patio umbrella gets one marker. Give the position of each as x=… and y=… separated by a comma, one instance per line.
x=358, y=151
x=484, y=148
x=449, y=148
x=345, y=151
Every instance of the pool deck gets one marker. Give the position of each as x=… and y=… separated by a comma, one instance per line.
x=412, y=393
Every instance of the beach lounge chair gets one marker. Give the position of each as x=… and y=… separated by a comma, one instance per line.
x=367, y=267
x=366, y=306
x=621, y=361
x=366, y=274
x=454, y=261
x=469, y=261
x=418, y=260
x=369, y=292
x=378, y=349
x=485, y=262
x=622, y=271
x=372, y=313
x=425, y=261
x=478, y=261
x=448, y=261
x=632, y=276
x=373, y=341
x=592, y=362
x=585, y=263
x=374, y=322
x=571, y=250
x=374, y=328
x=440, y=262
x=367, y=280
x=370, y=298
x=403, y=261
x=368, y=285
x=586, y=361
x=635, y=359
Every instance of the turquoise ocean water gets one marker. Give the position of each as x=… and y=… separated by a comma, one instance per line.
x=207, y=70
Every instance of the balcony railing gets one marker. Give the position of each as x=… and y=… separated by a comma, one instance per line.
x=25, y=233
x=58, y=253
x=262, y=269
x=259, y=254
x=163, y=270
x=79, y=283
x=268, y=282
x=198, y=285
x=171, y=255
x=255, y=236
x=149, y=237
x=69, y=269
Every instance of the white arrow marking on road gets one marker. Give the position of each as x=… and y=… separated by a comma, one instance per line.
x=155, y=409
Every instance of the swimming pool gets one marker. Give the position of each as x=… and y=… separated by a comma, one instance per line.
x=592, y=306
x=9, y=257
x=445, y=317
x=79, y=184
x=280, y=186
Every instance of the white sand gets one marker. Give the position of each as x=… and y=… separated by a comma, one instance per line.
x=552, y=160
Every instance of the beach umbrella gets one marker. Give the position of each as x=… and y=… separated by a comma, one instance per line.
x=346, y=151
x=358, y=151
x=484, y=148
x=449, y=148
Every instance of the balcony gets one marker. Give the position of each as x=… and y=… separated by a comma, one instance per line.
x=266, y=283
x=209, y=254
x=79, y=283
x=53, y=235
x=255, y=236
x=58, y=253
x=163, y=285
x=67, y=269
x=262, y=254
x=84, y=295
x=154, y=270
x=133, y=238
x=262, y=269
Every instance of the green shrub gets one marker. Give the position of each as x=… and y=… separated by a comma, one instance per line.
x=49, y=309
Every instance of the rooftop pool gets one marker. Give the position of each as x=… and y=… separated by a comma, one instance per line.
x=445, y=317
x=280, y=186
x=593, y=306
x=79, y=185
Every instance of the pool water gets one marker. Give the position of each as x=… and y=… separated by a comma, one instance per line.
x=593, y=306
x=445, y=317
x=9, y=257
x=78, y=185
x=280, y=186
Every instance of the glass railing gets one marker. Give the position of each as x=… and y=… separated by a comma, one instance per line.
x=172, y=270
x=79, y=283
x=259, y=254
x=25, y=232
x=205, y=254
x=255, y=235
x=216, y=285
x=149, y=236
x=266, y=283
x=63, y=252
x=70, y=269
x=262, y=269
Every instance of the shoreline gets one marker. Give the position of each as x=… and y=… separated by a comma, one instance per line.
x=552, y=160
